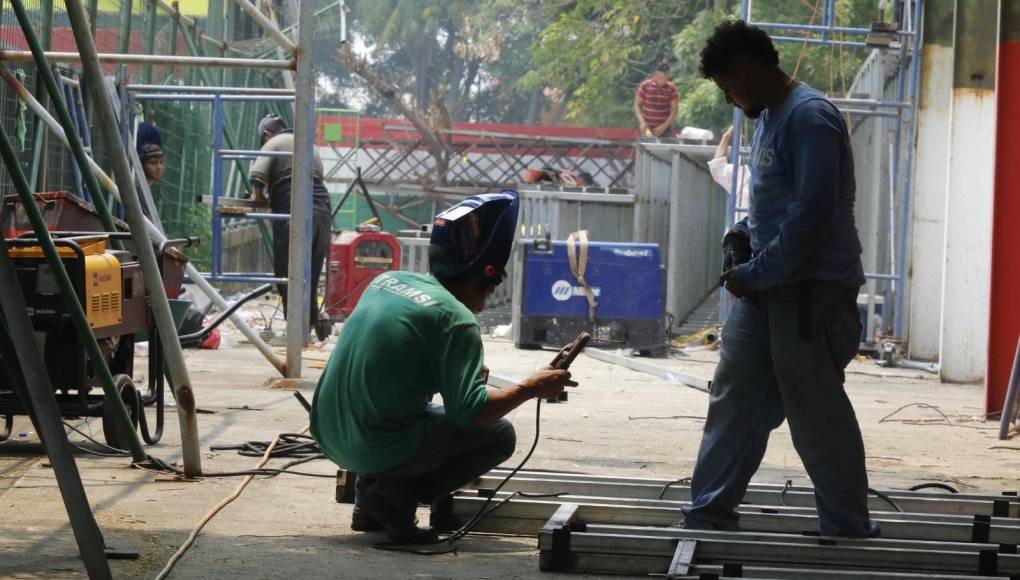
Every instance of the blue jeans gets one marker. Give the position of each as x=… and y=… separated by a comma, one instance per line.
x=449, y=458
x=783, y=357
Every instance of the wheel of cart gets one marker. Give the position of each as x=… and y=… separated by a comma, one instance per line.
x=112, y=430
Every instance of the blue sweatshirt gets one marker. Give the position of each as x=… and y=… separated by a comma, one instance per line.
x=801, y=219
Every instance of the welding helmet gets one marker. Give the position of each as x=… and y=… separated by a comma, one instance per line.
x=148, y=142
x=475, y=236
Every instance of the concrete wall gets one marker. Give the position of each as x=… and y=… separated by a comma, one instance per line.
x=927, y=243
x=969, y=193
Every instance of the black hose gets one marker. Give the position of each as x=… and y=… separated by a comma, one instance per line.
x=935, y=485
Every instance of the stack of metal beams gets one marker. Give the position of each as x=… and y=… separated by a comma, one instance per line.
x=623, y=525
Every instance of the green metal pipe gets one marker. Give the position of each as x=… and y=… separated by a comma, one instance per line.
x=150, y=38
x=77, y=149
x=174, y=24
x=93, y=9
x=46, y=24
x=70, y=297
x=124, y=42
x=39, y=161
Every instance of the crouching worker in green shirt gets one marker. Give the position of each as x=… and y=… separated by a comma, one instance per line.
x=410, y=337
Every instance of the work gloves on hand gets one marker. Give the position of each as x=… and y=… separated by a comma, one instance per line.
x=736, y=251
x=736, y=247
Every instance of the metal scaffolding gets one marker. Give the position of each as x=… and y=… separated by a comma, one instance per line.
x=905, y=42
x=148, y=47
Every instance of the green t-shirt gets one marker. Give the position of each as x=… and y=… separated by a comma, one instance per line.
x=407, y=340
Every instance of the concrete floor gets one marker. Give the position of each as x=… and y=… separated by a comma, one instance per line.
x=617, y=422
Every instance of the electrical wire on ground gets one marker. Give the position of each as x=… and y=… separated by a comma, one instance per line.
x=935, y=485
x=216, y=509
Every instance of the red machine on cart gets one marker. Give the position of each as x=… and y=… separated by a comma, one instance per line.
x=355, y=258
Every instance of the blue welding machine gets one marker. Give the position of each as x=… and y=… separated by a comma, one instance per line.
x=550, y=306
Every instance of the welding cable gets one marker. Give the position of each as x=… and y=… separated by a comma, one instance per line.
x=158, y=465
x=782, y=494
x=216, y=509
x=111, y=451
x=935, y=485
x=665, y=488
x=887, y=499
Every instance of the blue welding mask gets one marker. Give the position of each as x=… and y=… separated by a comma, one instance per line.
x=475, y=236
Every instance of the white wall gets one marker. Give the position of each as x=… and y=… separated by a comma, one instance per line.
x=927, y=248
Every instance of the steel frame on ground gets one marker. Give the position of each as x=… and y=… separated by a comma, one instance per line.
x=606, y=524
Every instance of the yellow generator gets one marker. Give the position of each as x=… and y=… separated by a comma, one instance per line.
x=111, y=290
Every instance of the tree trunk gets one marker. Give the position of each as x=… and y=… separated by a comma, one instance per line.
x=432, y=139
x=534, y=107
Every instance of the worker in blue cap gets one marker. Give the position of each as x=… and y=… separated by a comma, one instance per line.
x=149, y=145
x=410, y=337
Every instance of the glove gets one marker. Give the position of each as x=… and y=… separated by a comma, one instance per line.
x=736, y=249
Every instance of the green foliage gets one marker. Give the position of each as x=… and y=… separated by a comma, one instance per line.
x=827, y=68
x=701, y=102
x=597, y=51
x=495, y=60
x=702, y=105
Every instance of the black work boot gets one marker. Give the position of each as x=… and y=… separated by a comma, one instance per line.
x=362, y=522
x=398, y=524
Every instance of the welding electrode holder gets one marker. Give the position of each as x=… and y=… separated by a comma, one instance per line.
x=565, y=357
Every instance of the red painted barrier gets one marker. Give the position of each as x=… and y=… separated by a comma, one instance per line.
x=1004, y=319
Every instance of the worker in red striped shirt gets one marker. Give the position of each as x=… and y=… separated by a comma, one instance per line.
x=655, y=104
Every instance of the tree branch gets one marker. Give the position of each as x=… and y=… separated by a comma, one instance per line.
x=433, y=140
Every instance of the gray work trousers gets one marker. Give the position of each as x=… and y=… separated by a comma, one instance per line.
x=447, y=459
x=783, y=355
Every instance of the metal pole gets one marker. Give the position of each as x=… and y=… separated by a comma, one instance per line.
x=144, y=59
x=203, y=90
x=150, y=39
x=39, y=158
x=65, y=118
x=190, y=269
x=93, y=8
x=67, y=292
x=216, y=267
x=173, y=355
x=301, y=193
x=174, y=24
x=124, y=42
x=268, y=25
x=27, y=366
x=901, y=251
x=731, y=197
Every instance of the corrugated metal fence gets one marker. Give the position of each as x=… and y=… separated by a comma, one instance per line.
x=680, y=207
x=674, y=204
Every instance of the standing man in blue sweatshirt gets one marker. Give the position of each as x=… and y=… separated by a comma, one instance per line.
x=794, y=266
